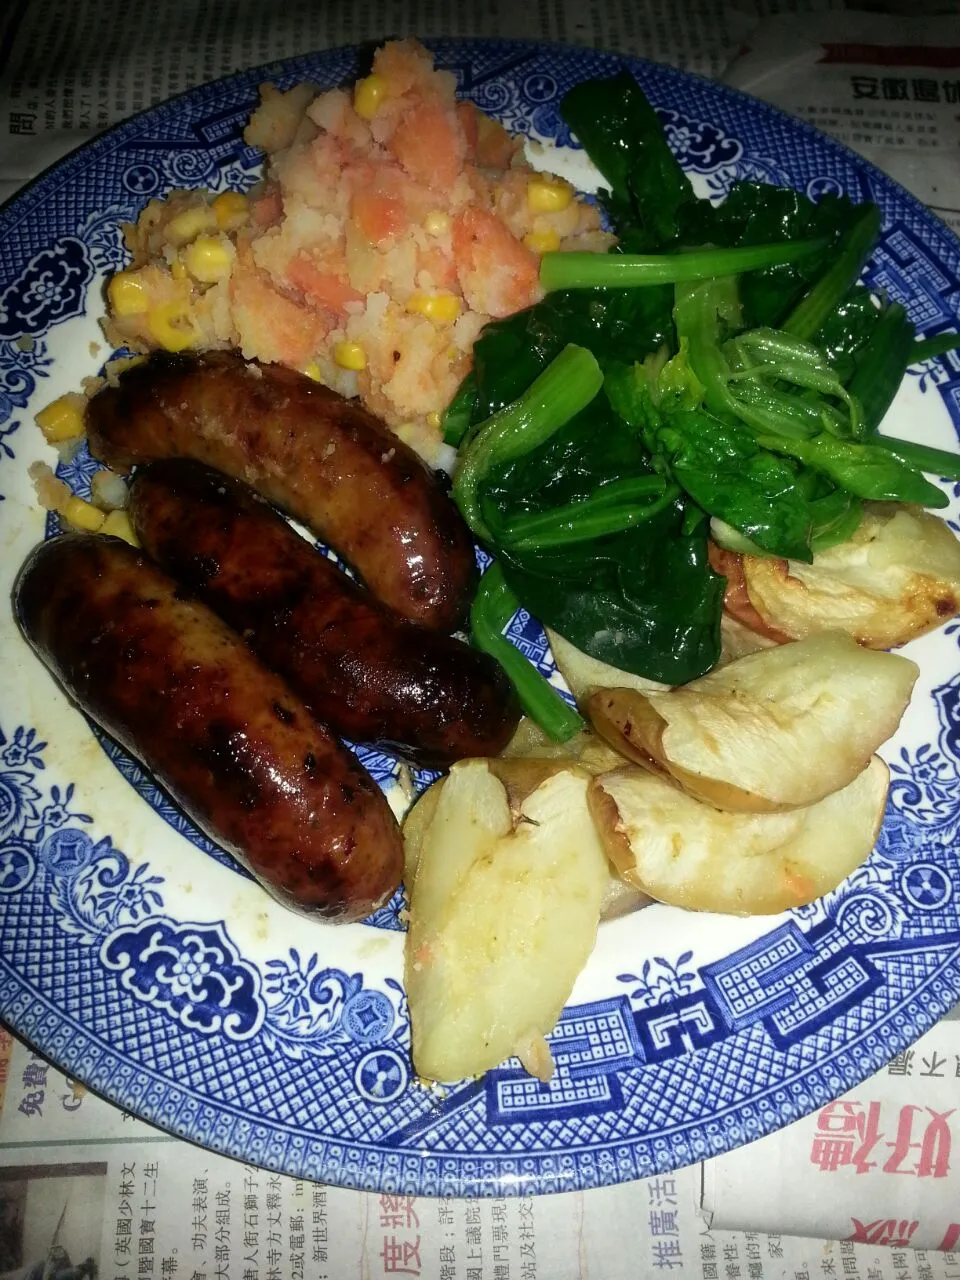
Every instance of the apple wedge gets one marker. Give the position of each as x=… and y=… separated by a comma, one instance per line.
x=897, y=577
x=683, y=852
x=775, y=730
x=584, y=674
x=504, y=907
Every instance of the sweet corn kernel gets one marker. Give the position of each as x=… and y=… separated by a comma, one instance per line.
x=542, y=241
x=350, y=355
x=117, y=525
x=172, y=325
x=177, y=269
x=127, y=294
x=441, y=308
x=191, y=222
x=368, y=95
x=313, y=370
x=433, y=419
x=207, y=259
x=436, y=223
x=62, y=419
x=230, y=210
x=82, y=515
x=548, y=195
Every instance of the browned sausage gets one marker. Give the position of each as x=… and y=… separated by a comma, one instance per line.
x=367, y=674
x=319, y=457
x=228, y=739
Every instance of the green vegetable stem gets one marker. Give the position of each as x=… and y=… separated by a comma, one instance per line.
x=881, y=363
x=565, y=387
x=493, y=607
x=574, y=270
x=823, y=298
x=619, y=505
x=929, y=348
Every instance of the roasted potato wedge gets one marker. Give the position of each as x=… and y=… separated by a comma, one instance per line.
x=415, y=824
x=897, y=577
x=773, y=731
x=684, y=852
x=518, y=777
x=504, y=908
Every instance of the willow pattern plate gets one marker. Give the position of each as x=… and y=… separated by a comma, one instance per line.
x=142, y=961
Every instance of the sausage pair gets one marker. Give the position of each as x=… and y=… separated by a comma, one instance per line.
x=240, y=751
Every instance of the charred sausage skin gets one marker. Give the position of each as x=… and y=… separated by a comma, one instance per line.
x=319, y=457
x=228, y=739
x=360, y=669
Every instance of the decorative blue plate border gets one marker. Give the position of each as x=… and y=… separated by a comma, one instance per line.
x=295, y=1055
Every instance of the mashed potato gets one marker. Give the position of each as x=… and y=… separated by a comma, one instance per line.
x=392, y=223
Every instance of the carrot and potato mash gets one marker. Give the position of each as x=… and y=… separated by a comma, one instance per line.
x=392, y=223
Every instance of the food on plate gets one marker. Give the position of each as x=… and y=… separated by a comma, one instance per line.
x=393, y=221
x=362, y=670
x=692, y=855
x=713, y=388
x=672, y=451
x=588, y=752
x=317, y=456
x=896, y=577
x=103, y=514
x=583, y=675
x=504, y=908
x=775, y=730
x=229, y=740
x=737, y=640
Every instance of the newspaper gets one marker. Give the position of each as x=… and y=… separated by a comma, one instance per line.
x=86, y=1188
x=879, y=1165
x=889, y=90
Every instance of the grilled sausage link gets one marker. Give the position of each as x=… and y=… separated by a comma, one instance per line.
x=360, y=669
x=319, y=457
x=228, y=739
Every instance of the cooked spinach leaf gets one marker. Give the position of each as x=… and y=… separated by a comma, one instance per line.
x=648, y=603
x=620, y=132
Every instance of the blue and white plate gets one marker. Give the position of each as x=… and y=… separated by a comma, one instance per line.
x=164, y=978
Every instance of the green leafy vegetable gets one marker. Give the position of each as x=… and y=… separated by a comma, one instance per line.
x=612, y=324
x=460, y=412
x=938, y=462
x=865, y=470
x=829, y=291
x=880, y=363
x=744, y=376
x=619, y=505
x=621, y=134
x=755, y=213
x=644, y=601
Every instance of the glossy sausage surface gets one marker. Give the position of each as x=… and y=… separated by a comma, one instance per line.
x=319, y=457
x=228, y=739
x=364, y=672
